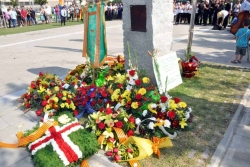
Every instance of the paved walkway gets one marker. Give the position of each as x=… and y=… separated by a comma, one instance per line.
x=59, y=50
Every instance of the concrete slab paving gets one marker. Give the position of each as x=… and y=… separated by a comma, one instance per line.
x=11, y=156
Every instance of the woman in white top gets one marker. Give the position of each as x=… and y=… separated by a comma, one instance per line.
x=236, y=9
x=181, y=12
x=177, y=8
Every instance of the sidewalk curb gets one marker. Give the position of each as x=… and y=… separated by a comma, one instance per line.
x=225, y=141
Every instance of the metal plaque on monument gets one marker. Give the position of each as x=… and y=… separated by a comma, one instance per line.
x=147, y=25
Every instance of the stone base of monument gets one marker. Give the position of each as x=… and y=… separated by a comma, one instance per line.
x=190, y=68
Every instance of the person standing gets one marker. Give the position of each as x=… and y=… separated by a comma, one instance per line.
x=236, y=9
x=48, y=14
x=205, y=12
x=190, y=9
x=33, y=16
x=1, y=18
x=77, y=12
x=28, y=18
x=242, y=38
x=201, y=11
x=227, y=8
x=24, y=16
x=57, y=11
x=71, y=14
x=13, y=18
x=42, y=15
x=7, y=17
x=63, y=15
x=211, y=11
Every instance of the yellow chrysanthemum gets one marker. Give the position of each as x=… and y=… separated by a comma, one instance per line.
x=135, y=105
x=66, y=105
x=145, y=80
x=62, y=105
x=114, y=97
x=110, y=78
x=64, y=93
x=126, y=93
x=69, y=96
x=142, y=91
x=55, y=99
x=56, y=89
x=64, y=98
x=182, y=104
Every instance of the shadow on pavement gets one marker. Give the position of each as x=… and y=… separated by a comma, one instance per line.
x=76, y=40
x=60, y=48
x=53, y=70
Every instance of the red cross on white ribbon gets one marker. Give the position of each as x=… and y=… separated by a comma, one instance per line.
x=58, y=136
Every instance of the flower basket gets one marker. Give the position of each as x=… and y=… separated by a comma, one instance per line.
x=190, y=68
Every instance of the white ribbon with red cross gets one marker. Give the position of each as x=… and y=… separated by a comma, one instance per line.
x=58, y=137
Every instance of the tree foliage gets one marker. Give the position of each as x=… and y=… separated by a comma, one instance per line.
x=41, y=2
x=14, y=3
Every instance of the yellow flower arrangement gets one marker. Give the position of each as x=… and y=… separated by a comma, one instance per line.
x=182, y=104
x=173, y=105
x=120, y=78
x=62, y=105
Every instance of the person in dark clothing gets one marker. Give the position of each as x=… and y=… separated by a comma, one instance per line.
x=196, y=20
x=19, y=17
x=33, y=16
x=120, y=9
x=211, y=11
x=227, y=8
x=200, y=11
x=205, y=12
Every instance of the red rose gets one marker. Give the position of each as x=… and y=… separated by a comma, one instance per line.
x=119, y=124
x=40, y=74
x=137, y=82
x=92, y=94
x=75, y=113
x=129, y=150
x=132, y=72
x=59, y=95
x=83, y=92
x=93, y=102
x=47, y=97
x=104, y=94
x=138, y=97
x=109, y=111
x=101, y=125
x=51, y=101
x=44, y=103
x=130, y=133
x=92, y=86
x=84, y=102
x=68, y=101
x=171, y=114
x=109, y=153
x=28, y=96
x=164, y=99
x=117, y=157
x=131, y=119
x=33, y=85
x=177, y=100
x=27, y=105
x=115, y=150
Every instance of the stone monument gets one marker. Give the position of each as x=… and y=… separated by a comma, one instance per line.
x=147, y=25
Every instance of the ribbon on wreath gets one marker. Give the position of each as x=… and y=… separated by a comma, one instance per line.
x=146, y=147
x=23, y=141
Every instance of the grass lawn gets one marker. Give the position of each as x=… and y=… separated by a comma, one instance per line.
x=214, y=97
x=16, y=30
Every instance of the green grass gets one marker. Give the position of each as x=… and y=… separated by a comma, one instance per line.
x=17, y=30
x=214, y=97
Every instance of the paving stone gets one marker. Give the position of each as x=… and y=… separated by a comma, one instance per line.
x=245, y=119
x=191, y=154
x=3, y=124
x=7, y=108
x=205, y=154
x=16, y=116
x=99, y=160
x=26, y=162
x=9, y=134
x=12, y=156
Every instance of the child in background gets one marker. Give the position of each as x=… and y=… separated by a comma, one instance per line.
x=242, y=38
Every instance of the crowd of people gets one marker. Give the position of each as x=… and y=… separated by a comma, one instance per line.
x=16, y=17
x=207, y=12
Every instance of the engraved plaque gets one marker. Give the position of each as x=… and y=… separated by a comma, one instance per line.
x=138, y=18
